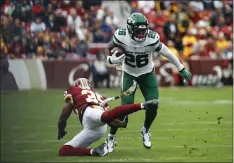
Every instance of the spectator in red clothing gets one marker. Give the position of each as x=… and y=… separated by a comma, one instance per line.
x=79, y=9
x=16, y=48
x=8, y=8
x=37, y=8
x=210, y=47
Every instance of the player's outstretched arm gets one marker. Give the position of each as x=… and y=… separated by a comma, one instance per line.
x=174, y=60
x=62, y=122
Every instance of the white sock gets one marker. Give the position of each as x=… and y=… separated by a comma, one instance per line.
x=91, y=151
x=145, y=129
x=142, y=106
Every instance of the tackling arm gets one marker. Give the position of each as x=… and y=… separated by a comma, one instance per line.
x=64, y=115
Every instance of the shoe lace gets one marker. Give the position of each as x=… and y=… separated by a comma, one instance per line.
x=147, y=136
x=111, y=141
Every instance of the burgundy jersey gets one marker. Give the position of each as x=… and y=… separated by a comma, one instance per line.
x=81, y=98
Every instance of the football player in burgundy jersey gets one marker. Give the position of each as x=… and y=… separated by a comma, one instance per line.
x=85, y=102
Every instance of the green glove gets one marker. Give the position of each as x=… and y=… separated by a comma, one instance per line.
x=185, y=74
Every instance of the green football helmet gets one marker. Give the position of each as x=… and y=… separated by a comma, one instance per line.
x=137, y=25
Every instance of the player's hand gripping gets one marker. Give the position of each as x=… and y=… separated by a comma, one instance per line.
x=114, y=59
x=185, y=74
x=61, y=134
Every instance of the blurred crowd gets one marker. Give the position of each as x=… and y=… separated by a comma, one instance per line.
x=58, y=30
x=192, y=28
x=53, y=29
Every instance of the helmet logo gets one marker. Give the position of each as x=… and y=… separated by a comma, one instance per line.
x=130, y=20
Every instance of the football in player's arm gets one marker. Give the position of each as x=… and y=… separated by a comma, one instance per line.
x=86, y=103
x=139, y=44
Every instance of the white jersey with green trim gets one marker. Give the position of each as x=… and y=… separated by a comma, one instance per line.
x=139, y=56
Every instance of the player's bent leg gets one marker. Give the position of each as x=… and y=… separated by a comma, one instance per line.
x=127, y=81
x=68, y=150
x=78, y=145
x=149, y=88
x=118, y=111
x=93, y=130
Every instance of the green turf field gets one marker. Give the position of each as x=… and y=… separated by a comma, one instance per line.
x=193, y=124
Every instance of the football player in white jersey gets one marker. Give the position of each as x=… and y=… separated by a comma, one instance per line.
x=139, y=44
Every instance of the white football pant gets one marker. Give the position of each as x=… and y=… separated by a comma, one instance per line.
x=93, y=128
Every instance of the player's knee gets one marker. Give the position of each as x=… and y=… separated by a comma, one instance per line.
x=105, y=118
x=153, y=108
x=65, y=150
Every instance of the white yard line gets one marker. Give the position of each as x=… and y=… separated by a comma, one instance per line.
x=180, y=129
x=131, y=130
x=179, y=146
x=170, y=123
x=199, y=157
x=138, y=137
x=191, y=123
x=174, y=101
x=117, y=147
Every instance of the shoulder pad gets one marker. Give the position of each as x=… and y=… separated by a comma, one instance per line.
x=119, y=36
x=152, y=39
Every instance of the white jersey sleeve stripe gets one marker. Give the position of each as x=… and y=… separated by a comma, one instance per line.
x=116, y=41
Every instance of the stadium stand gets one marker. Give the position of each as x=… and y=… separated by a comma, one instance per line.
x=60, y=30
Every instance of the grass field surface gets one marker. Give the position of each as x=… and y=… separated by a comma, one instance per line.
x=193, y=125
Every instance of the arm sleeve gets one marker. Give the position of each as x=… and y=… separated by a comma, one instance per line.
x=171, y=57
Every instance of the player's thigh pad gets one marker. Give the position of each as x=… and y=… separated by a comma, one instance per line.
x=92, y=119
x=149, y=86
x=126, y=83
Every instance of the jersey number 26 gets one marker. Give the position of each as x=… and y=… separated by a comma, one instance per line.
x=136, y=61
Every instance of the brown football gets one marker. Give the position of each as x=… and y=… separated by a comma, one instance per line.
x=119, y=49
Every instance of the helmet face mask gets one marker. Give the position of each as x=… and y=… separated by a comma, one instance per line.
x=83, y=83
x=137, y=26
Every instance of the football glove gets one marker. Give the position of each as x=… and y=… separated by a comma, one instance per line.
x=185, y=74
x=61, y=134
x=114, y=59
